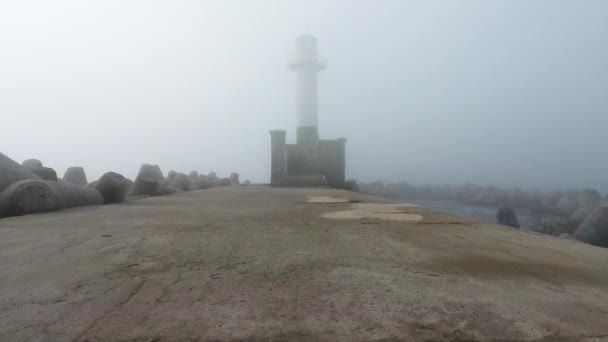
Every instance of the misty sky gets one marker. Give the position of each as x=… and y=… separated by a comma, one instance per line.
x=511, y=92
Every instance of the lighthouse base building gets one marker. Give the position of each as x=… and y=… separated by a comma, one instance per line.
x=310, y=161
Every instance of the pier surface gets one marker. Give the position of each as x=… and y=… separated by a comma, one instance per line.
x=254, y=263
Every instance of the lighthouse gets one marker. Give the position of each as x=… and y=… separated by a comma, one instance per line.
x=310, y=161
x=306, y=65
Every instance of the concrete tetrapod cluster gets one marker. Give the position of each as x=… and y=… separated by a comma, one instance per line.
x=28, y=189
x=580, y=214
x=33, y=188
x=41, y=171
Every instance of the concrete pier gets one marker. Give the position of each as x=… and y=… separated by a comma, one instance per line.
x=256, y=263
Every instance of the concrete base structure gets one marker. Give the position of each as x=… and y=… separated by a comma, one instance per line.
x=310, y=157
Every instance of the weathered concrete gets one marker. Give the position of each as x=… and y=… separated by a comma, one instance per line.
x=76, y=176
x=201, y=183
x=29, y=196
x=150, y=181
x=32, y=163
x=112, y=187
x=171, y=175
x=11, y=171
x=234, y=179
x=594, y=229
x=506, y=216
x=75, y=195
x=181, y=182
x=46, y=173
x=258, y=264
x=35, y=166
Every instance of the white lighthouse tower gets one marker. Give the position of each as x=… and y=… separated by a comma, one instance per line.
x=311, y=161
x=307, y=65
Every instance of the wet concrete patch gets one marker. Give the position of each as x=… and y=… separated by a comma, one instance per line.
x=486, y=267
x=382, y=211
x=326, y=199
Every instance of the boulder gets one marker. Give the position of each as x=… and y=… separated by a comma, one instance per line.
x=76, y=195
x=75, y=175
x=234, y=178
x=46, y=173
x=507, y=217
x=129, y=185
x=29, y=196
x=171, y=175
x=566, y=205
x=150, y=181
x=36, y=167
x=555, y=225
x=32, y=163
x=201, y=183
x=594, y=229
x=181, y=182
x=588, y=201
x=11, y=171
x=113, y=187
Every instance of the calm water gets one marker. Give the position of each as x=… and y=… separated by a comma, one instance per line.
x=486, y=214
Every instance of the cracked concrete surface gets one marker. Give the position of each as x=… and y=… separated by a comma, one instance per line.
x=257, y=264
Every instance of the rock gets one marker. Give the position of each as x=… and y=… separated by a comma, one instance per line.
x=507, y=217
x=201, y=183
x=181, y=182
x=46, y=173
x=27, y=193
x=554, y=225
x=36, y=167
x=171, y=175
x=150, y=181
x=234, y=178
x=594, y=229
x=566, y=205
x=75, y=175
x=588, y=201
x=29, y=196
x=11, y=171
x=76, y=195
x=32, y=163
x=129, y=184
x=113, y=187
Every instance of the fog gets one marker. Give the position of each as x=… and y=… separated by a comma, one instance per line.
x=513, y=93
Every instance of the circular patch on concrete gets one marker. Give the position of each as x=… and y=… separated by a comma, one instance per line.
x=326, y=199
x=382, y=211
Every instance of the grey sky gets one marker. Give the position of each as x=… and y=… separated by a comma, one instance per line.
x=507, y=92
